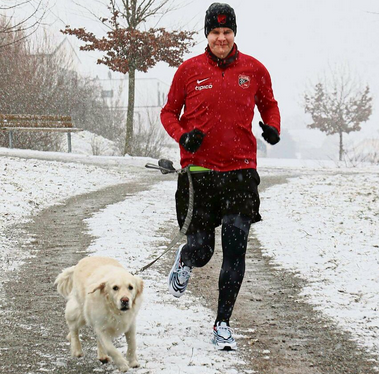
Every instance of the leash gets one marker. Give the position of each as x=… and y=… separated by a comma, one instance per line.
x=166, y=167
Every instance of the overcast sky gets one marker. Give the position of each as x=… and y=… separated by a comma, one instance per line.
x=297, y=40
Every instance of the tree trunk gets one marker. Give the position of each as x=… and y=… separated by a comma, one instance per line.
x=341, y=145
x=130, y=115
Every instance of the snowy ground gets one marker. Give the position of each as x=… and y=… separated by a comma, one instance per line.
x=326, y=229
x=320, y=225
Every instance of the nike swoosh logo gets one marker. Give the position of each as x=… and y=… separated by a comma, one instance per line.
x=201, y=81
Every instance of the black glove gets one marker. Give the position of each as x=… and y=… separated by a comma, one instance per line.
x=191, y=141
x=270, y=134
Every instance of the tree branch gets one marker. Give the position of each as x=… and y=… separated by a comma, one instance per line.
x=22, y=26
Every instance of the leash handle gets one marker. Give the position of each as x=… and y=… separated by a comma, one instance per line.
x=160, y=168
x=165, y=166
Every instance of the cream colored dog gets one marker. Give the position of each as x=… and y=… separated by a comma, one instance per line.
x=102, y=294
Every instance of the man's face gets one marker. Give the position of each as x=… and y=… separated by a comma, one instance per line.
x=221, y=41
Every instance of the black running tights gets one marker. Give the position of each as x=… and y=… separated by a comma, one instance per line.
x=199, y=250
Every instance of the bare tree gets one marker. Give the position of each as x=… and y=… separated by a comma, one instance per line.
x=149, y=136
x=39, y=79
x=338, y=105
x=128, y=49
x=14, y=28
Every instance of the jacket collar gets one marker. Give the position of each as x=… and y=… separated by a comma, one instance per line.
x=223, y=62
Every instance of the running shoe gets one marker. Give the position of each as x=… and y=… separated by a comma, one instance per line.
x=179, y=275
x=223, y=338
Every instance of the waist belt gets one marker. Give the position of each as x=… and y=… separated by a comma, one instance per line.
x=198, y=169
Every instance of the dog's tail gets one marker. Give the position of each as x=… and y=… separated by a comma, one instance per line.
x=64, y=281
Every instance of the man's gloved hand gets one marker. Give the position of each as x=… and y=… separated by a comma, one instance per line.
x=191, y=141
x=270, y=134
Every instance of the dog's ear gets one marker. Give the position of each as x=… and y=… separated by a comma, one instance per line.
x=100, y=287
x=139, y=283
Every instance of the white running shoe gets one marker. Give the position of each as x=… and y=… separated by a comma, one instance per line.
x=179, y=275
x=223, y=338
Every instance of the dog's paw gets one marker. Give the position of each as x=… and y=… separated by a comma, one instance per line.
x=124, y=367
x=77, y=354
x=68, y=337
x=104, y=359
x=134, y=364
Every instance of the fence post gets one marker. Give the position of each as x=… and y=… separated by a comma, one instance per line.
x=10, y=139
x=69, y=141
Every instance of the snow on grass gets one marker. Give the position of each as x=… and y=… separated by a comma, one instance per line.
x=326, y=228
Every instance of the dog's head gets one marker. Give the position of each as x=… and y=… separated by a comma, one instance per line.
x=121, y=289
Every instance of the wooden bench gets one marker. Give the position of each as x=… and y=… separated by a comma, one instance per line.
x=27, y=122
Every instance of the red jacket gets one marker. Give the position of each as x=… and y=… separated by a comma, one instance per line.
x=220, y=102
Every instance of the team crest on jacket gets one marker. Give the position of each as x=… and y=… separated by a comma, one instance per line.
x=244, y=81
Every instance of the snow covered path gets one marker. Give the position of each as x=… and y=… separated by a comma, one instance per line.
x=339, y=259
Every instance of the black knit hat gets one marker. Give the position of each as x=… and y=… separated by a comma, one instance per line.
x=220, y=15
